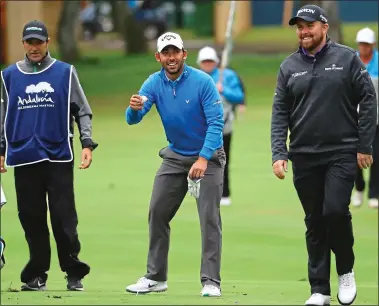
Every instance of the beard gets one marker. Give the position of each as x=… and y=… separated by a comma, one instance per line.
x=174, y=69
x=312, y=44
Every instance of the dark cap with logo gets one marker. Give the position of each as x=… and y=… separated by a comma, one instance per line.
x=309, y=13
x=35, y=29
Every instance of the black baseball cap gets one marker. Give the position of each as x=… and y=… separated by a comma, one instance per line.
x=35, y=29
x=309, y=13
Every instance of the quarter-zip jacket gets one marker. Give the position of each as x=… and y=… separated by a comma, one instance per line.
x=79, y=107
x=190, y=109
x=316, y=99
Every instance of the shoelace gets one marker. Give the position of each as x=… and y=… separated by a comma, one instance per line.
x=211, y=287
x=142, y=280
x=346, y=279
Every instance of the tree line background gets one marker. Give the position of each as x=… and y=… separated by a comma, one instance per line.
x=131, y=31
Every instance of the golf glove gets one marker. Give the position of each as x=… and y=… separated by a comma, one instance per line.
x=194, y=187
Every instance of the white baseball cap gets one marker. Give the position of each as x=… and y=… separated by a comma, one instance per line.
x=207, y=54
x=366, y=35
x=169, y=39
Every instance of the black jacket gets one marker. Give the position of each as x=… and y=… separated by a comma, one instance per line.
x=316, y=99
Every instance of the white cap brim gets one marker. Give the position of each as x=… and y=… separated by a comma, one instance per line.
x=366, y=41
x=208, y=58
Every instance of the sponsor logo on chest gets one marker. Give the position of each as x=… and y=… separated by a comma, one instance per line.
x=36, y=96
x=333, y=67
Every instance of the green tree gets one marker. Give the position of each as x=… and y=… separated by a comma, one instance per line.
x=131, y=30
x=332, y=11
x=67, y=41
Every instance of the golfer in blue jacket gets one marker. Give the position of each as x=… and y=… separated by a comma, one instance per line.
x=191, y=110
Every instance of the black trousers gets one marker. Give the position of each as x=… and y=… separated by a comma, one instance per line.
x=33, y=182
x=227, y=141
x=373, y=186
x=324, y=183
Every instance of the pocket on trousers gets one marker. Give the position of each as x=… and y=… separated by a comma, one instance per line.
x=162, y=152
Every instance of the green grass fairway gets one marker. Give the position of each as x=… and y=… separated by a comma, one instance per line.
x=264, y=256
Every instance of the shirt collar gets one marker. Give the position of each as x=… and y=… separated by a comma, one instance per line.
x=184, y=72
x=304, y=52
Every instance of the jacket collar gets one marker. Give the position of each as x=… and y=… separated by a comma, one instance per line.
x=47, y=58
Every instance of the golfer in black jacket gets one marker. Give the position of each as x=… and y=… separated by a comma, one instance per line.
x=318, y=90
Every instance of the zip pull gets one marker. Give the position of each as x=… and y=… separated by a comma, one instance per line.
x=173, y=89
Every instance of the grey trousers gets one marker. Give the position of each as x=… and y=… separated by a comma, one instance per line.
x=169, y=190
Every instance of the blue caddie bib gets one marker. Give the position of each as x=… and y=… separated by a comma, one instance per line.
x=37, y=119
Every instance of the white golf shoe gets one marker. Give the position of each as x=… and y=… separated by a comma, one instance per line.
x=318, y=299
x=373, y=203
x=145, y=285
x=347, y=289
x=357, y=198
x=226, y=201
x=210, y=290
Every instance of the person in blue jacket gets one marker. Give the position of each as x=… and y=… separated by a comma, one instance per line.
x=191, y=111
x=367, y=52
x=232, y=94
